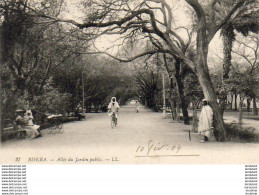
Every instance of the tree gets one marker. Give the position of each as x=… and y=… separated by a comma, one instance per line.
x=147, y=82
x=246, y=52
x=244, y=21
x=32, y=51
x=52, y=101
x=119, y=17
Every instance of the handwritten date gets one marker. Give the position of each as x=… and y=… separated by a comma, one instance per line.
x=157, y=147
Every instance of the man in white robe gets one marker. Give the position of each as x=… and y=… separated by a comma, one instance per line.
x=113, y=107
x=205, y=121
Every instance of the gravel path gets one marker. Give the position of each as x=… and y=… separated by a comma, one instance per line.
x=143, y=137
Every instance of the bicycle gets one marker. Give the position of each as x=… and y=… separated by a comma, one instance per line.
x=113, y=120
x=56, y=126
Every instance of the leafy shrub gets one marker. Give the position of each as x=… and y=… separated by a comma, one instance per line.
x=52, y=101
x=237, y=133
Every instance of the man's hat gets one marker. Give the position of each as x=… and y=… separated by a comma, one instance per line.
x=19, y=111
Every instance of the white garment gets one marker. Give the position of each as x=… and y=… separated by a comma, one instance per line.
x=205, y=121
x=30, y=128
x=113, y=107
x=31, y=131
x=29, y=120
x=137, y=106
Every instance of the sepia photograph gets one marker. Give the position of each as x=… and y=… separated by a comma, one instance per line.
x=129, y=81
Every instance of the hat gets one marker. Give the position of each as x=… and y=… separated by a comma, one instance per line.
x=19, y=111
x=28, y=112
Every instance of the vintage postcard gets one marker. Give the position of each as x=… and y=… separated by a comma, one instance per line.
x=129, y=82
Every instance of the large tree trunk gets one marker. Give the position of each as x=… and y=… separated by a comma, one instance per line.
x=227, y=35
x=184, y=105
x=255, y=111
x=240, y=120
x=180, y=90
x=231, y=102
x=172, y=102
x=178, y=111
x=248, y=103
x=235, y=101
x=209, y=94
x=208, y=89
x=173, y=108
x=185, y=113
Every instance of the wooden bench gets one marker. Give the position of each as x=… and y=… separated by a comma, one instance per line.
x=8, y=130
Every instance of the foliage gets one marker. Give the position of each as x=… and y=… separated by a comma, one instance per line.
x=244, y=78
x=237, y=133
x=52, y=101
x=102, y=78
x=40, y=45
x=148, y=86
x=192, y=89
x=244, y=22
x=243, y=84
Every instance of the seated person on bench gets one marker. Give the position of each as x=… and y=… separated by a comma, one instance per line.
x=31, y=129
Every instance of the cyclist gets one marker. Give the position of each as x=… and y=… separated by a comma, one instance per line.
x=114, y=107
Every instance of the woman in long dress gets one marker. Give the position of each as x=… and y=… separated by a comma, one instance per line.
x=31, y=129
x=205, y=121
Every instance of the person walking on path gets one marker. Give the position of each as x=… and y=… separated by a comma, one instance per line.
x=205, y=121
x=137, y=106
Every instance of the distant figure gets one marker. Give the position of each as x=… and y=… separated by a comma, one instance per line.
x=137, y=106
x=31, y=129
x=205, y=121
x=113, y=107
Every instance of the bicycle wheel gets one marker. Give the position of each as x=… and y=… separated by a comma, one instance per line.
x=115, y=121
x=53, y=129
x=112, y=122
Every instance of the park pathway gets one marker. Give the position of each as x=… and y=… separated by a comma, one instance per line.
x=143, y=137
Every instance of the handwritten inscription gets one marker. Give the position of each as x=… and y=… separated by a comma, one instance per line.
x=157, y=147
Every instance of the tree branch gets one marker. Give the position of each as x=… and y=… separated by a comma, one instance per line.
x=225, y=20
x=152, y=52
